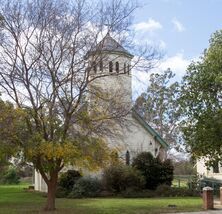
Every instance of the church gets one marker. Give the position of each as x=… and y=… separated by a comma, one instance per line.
x=114, y=62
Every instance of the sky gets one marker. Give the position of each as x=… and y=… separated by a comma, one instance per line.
x=180, y=28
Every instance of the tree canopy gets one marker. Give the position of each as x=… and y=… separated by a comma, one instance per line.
x=201, y=100
x=160, y=108
x=12, y=125
x=12, y=131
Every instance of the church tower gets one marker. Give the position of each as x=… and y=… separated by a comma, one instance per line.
x=111, y=63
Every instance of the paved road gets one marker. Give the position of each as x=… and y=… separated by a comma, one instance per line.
x=205, y=212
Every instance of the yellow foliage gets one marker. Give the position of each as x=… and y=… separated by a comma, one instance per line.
x=88, y=153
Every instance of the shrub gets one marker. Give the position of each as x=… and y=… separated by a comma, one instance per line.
x=164, y=190
x=10, y=177
x=68, y=179
x=61, y=192
x=166, y=172
x=130, y=193
x=149, y=167
x=66, y=183
x=167, y=191
x=194, y=183
x=118, y=178
x=86, y=187
x=181, y=192
x=161, y=191
x=154, y=171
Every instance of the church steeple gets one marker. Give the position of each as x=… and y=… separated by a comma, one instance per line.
x=112, y=62
x=111, y=45
x=108, y=44
x=109, y=56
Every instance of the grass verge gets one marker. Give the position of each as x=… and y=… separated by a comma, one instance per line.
x=14, y=200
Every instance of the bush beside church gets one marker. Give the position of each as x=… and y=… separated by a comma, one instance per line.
x=145, y=177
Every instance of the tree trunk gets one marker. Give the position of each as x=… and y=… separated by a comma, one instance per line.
x=52, y=185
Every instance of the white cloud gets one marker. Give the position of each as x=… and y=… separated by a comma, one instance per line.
x=151, y=25
x=178, y=25
x=177, y=63
x=140, y=82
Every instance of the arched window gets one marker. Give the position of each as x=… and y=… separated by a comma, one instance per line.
x=128, y=69
x=156, y=151
x=216, y=167
x=124, y=68
x=127, y=158
x=94, y=67
x=117, y=67
x=101, y=66
x=110, y=66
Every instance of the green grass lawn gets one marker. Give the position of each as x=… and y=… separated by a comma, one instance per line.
x=14, y=200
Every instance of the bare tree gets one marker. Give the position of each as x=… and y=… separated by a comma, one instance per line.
x=43, y=61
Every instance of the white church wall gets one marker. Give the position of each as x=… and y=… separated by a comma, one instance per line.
x=139, y=140
x=135, y=139
x=40, y=184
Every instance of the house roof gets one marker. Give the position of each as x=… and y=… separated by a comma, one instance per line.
x=149, y=129
x=111, y=45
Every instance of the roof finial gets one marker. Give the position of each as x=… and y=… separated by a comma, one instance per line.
x=108, y=34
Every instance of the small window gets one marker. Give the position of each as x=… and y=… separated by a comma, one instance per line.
x=127, y=158
x=117, y=67
x=110, y=67
x=128, y=69
x=151, y=143
x=216, y=167
x=94, y=67
x=156, y=150
x=101, y=66
x=124, y=68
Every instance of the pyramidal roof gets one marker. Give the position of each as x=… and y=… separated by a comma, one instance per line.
x=110, y=44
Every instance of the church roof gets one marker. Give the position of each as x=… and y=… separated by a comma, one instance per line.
x=111, y=45
x=148, y=128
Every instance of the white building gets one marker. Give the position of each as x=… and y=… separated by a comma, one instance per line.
x=214, y=172
x=113, y=61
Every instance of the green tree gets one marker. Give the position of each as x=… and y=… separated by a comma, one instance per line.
x=184, y=167
x=159, y=106
x=12, y=131
x=154, y=171
x=201, y=101
x=10, y=177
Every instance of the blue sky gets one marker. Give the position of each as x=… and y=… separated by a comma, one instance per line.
x=182, y=28
x=200, y=18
